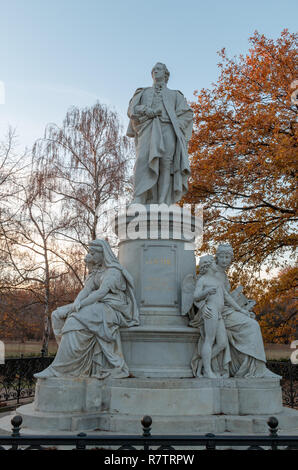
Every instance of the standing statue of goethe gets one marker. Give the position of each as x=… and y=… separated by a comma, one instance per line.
x=161, y=123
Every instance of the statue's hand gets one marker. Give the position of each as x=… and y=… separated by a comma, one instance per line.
x=158, y=112
x=140, y=110
x=150, y=113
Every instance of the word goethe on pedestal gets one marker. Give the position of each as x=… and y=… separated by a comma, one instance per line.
x=159, y=222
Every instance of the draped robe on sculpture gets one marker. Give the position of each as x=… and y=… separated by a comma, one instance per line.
x=248, y=357
x=151, y=146
x=90, y=338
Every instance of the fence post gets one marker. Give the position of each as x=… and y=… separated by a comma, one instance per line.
x=20, y=371
x=273, y=423
x=80, y=445
x=210, y=445
x=16, y=426
x=290, y=369
x=146, y=423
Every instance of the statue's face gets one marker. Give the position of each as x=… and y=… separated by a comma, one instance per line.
x=158, y=72
x=208, y=266
x=213, y=266
x=94, y=256
x=224, y=259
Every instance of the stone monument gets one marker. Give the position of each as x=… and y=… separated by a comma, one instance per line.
x=146, y=335
x=161, y=123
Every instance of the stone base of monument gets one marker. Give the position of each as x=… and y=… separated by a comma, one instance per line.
x=188, y=406
x=158, y=353
x=158, y=350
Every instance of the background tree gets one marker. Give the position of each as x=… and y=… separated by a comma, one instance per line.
x=244, y=153
x=84, y=163
x=277, y=308
x=34, y=258
x=13, y=165
x=51, y=211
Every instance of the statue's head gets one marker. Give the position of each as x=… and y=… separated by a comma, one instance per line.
x=224, y=255
x=95, y=255
x=160, y=72
x=205, y=263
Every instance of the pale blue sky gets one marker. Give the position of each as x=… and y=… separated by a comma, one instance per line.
x=58, y=53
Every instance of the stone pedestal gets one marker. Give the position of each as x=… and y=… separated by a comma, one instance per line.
x=163, y=344
x=158, y=259
x=158, y=353
x=177, y=406
x=68, y=394
x=64, y=404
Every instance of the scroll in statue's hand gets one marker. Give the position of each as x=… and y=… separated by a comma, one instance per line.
x=150, y=113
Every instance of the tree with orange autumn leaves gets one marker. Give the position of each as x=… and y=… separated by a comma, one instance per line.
x=276, y=308
x=244, y=167
x=244, y=152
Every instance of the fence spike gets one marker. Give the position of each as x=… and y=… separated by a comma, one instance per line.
x=273, y=427
x=16, y=425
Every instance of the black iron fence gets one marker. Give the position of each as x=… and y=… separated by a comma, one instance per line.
x=147, y=442
x=17, y=382
x=289, y=383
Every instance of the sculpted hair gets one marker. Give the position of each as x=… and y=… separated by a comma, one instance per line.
x=167, y=73
x=225, y=248
x=204, y=263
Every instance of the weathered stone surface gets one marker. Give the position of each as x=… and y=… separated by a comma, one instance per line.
x=188, y=405
x=158, y=266
x=68, y=394
x=159, y=351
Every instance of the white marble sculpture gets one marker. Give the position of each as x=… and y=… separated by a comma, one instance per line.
x=161, y=123
x=210, y=297
x=239, y=350
x=87, y=330
x=248, y=357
